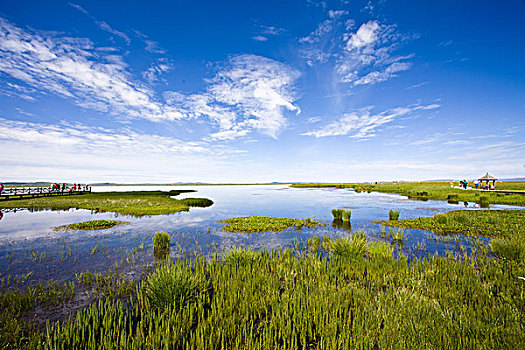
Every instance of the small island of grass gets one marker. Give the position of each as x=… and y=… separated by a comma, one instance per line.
x=251, y=224
x=91, y=225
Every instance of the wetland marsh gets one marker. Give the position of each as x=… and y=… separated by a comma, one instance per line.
x=281, y=242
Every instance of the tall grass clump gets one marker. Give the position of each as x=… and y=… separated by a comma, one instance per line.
x=393, y=214
x=173, y=284
x=397, y=234
x=161, y=244
x=380, y=250
x=240, y=257
x=314, y=243
x=350, y=248
x=337, y=214
x=347, y=214
x=484, y=202
x=513, y=249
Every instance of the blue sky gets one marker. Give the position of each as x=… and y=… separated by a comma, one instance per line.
x=257, y=91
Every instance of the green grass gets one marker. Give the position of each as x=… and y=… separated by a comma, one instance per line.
x=91, y=225
x=337, y=214
x=490, y=223
x=126, y=203
x=505, y=226
x=283, y=299
x=173, y=285
x=161, y=241
x=264, y=224
x=197, y=202
x=433, y=190
x=393, y=214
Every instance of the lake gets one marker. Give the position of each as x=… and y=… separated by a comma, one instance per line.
x=30, y=247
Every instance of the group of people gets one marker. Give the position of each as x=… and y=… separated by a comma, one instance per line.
x=56, y=187
x=476, y=183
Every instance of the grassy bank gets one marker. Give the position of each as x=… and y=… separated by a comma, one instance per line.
x=503, y=224
x=506, y=226
x=357, y=297
x=264, y=224
x=137, y=203
x=91, y=225
x=433, y=190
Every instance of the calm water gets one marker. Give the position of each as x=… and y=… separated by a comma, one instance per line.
x=30, y=245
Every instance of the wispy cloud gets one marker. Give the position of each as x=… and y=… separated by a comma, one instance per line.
x=260, y=38
x=106, y=27
x=417, y=85
x=363, y=124
x=362, y=55
x=78, y=7
x=249, y=93
x=73, y=68
x=367, y=58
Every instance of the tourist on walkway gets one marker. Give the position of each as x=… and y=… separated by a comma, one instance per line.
x=1, y=187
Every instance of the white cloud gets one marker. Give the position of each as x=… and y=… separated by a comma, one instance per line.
x=260, y=38
x=72, y=68
x=153, y=47
x=106, y=27
x=382, y=75
x=271, y=30
x=156, y=70
x=367, y=34
x=367, y=57
x=78, y=152
x=250, y=93
x=78, y=7
x=363, y=124
x=322, y=29
x=360, y=56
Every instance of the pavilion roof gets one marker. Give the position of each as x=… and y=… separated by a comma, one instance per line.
x=487, y=177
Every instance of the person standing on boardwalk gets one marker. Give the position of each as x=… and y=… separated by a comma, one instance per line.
x=1, y=187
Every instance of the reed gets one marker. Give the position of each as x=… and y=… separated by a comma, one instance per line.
x=173, y=285
x=161, y=241
x=347, y=213
x=397, y=234
x=337, y=214
x=393, y=214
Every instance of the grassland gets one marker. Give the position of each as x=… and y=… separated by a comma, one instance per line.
x=91, y=225
x=264, y=224
x=137, y=203
x=503, y=224
x=434, y=190
x=358, y=296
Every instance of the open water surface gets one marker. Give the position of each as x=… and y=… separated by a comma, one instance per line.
x=30, y=247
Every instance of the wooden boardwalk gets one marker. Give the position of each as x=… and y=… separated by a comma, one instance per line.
x=14, y=193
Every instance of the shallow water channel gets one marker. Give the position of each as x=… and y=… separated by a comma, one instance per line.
x=31, y=248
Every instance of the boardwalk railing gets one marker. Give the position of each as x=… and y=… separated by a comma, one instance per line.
x=10, y=193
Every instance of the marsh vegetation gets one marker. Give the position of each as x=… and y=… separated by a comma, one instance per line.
x=91, y=225
x=357, y=296
x=434, y=190
x=265, y=224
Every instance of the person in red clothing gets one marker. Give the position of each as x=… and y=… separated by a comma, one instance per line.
x=1, y=187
